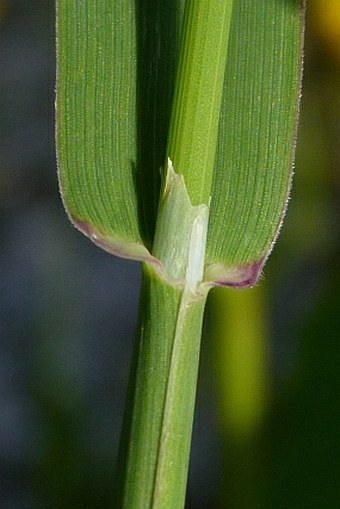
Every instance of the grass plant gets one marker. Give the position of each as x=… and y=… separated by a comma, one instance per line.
x=207, y=90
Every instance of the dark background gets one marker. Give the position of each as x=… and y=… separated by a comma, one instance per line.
x=68, y=312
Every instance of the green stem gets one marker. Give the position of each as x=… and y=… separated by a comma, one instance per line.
x=165, y=380
x=198, y=94
x=165, y=373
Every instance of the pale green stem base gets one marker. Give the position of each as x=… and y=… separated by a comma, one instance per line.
x=165, y=378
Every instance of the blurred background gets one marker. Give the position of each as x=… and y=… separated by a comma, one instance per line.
x=267, y=427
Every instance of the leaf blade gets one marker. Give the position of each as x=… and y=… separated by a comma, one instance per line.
x=96, y=118
x=256, y=138
x=116, y=63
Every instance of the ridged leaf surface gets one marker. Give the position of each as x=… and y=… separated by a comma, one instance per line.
x=115, y=73
x=254, y=158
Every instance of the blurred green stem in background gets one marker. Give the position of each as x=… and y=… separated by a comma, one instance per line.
x=239, y=328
